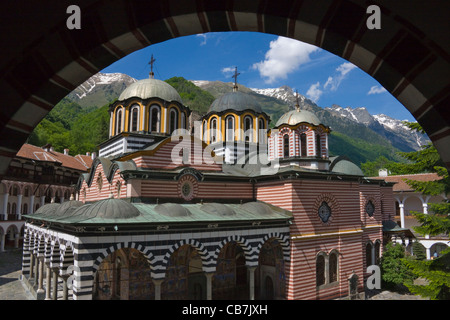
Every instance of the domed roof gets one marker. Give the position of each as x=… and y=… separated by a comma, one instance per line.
x=108, y=209
x=235, y=100
x=172, y=210
x=345, y=166
x=218, y=209
x=151, y=88
x=296, y=116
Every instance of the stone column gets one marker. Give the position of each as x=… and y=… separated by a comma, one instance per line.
x=40, y=275
x=251, y=284
x=55, y=284
x=42, y=201
x=425, y=209
x=48, y=284
x=19, y=207
x=2, y=242
x=209, y=285
x=5, y=206
x=31, y=208
x=31, y=264
x=158, y=284
x=65, y=287
x=402, y=214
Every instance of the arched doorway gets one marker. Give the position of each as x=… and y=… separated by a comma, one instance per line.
x=185, y=278
x=270, y=274
x=124, y=275
x=230, y=278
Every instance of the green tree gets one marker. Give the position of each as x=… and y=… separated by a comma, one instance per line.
x=394, y=273
x=437, y=222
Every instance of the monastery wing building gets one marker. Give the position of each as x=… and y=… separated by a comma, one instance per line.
x=237, y=212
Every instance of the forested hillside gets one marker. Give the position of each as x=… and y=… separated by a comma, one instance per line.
x=71, y=125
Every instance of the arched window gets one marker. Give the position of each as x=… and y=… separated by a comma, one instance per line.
x=248, y=128
x=262, y=131
x=318, y=146
x=303, y=145
x=230, y=128
x=204, y=132
x=14, y=208
x=154, y=120
x=134, y=121
x=333, y=267
x=183, y=120
x=119, y=117
x=286, y=146
x=320, y=270
x=369, y=254
x=377, y=252
x=173, y=120
x=213, y=130
x=25, y=208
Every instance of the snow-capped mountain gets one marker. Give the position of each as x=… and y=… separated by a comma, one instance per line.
x=392, y=129
x=101, y=89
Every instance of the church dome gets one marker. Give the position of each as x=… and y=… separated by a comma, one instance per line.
x=345, y=166
x=151, y=88
x=236, y=100
x=108, y=209
x=294, y=117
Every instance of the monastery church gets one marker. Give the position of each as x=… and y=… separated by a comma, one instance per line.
x=228, y=209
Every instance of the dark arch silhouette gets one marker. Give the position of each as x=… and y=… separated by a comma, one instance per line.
x=42, y=60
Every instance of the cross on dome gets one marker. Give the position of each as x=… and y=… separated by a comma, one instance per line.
x=152, y=61
x=235, y=87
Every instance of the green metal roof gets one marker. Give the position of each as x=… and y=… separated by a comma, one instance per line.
x=118, y=211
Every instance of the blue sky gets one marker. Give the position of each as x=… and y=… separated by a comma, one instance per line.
x=264, y=61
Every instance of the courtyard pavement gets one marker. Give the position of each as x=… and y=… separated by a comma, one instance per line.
x=11, y=288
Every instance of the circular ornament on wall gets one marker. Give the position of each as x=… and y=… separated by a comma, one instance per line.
x=187, y=187
x=326, y=208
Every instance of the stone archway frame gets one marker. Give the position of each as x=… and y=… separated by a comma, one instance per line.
x=35, y=76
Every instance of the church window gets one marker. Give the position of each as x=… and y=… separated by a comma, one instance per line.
x=118, y=188
x=99, y=182
x=248, y=128
x=204, y=132
x=333, y=267
x=134, y=118
x=213, y=130
x=262, y=131
x=324, y=212
x=369, y=254
x=320, y=270
x=230, y=128
x=370, y=208
x=183, y=120
x=154, y=118
x=303, y=146
x=173, y=121
x=318, y=146
x=119, y=121
x=286, y=146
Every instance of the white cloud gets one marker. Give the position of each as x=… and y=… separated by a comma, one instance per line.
x=284, y=56
x=203, y=36
x=334, y=82
x=376, y=90
x=228, y=71
x=314, y=92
